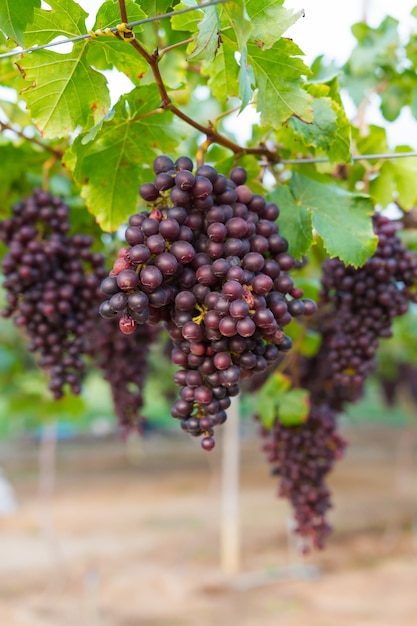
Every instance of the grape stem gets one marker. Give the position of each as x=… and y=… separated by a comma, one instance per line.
x=57, y=153
x=174, y=45
x=166, y=104
x=123, y=11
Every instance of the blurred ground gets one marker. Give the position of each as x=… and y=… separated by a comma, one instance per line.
x=132, y=539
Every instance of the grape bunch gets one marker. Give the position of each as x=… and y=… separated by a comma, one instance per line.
x=208, y=263
x=358, y=308
x=123, y=360
x=302, y=457
x=52, y=281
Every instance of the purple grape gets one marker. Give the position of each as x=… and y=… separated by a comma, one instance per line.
x=150, y=277
x=202, y=188
x=184, y=163
x=127, y=280
x=163, y=163
x=238, y=175
x=149, y=192
x=134, y=235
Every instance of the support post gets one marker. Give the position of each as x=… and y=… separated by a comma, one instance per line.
x=229, y=531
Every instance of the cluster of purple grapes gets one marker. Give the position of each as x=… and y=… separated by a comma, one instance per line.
x=358, y=307
x=123, y=359
x=208, y=262
x=52, y=282
x=302, y=457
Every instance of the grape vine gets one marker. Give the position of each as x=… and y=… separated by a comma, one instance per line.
x=208, y=255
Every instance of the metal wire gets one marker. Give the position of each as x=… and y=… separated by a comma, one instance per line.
x=360, y=157
x=113, y=30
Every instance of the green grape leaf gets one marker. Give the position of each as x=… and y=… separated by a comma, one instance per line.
x=64, y=91
x=154, y=7
x=246, y=79
x=393, y=99
x=15, y=15
x=341, y=218
x=295, y=408
x=329, y=132
x=223, y=71
x=295, y=221
x=270, y=397
x=187, y=21
x=109, y=165
x=235, y=13
x=305, y=340
x=375, y=142
x=277, y=400
x=375, y=54
x=397, y=180
x=65, y=18
x=208, y=37
x=107, y=52
x=20, y=163
x=278, y=73
x=270, y=20
x=382, y=186
x=108, y=15
x=376, y=47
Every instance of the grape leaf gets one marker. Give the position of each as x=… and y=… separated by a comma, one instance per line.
x=107, y=52
x=65, y=18
x=382, y=187
x=15, y=15
x=329, y=132
x=223, y=71
x=246, y=79
x=295, y=221
x=397, y=180
x=108, y=15
x=108, y=167
x=20, y=164
x=154, y=7
x=278, y=74
x=341, y=218
x=277, y=400
x=65, y=92
x=187, y=21
x=269, y=397
x=270, y=20
x=236, y=17
x=208, y=39
x=295, y=407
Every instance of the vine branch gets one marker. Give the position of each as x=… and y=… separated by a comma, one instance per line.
x=57, y=153
x=209, y=131
x=123, y=11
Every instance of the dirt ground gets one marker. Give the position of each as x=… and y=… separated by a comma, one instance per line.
x=131, y=538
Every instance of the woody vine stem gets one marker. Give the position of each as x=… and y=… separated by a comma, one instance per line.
x=167, y=105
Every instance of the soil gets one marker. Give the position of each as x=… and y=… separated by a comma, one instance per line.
x=130, y=536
